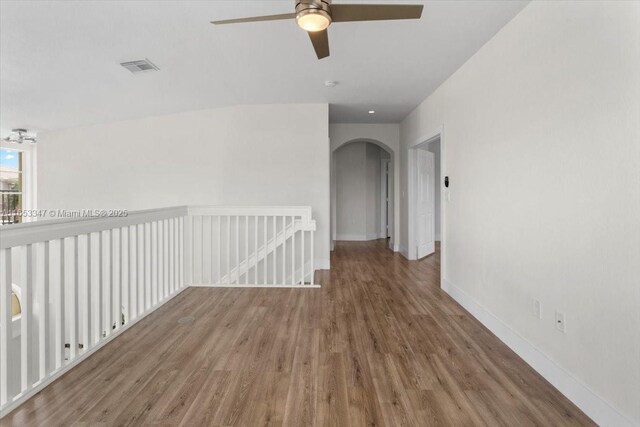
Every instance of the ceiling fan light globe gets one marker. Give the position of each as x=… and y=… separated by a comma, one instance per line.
x=313, y=20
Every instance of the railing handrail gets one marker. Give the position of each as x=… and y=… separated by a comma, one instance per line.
x=302, y=211
x=49, y=229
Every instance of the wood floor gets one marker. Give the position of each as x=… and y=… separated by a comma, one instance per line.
x=378, y=345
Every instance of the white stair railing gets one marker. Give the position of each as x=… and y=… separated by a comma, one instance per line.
x=81, y=282
x=251, y=246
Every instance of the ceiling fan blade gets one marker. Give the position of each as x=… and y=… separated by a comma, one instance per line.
x=256, y=19
x=374, y=12
x=320, y=41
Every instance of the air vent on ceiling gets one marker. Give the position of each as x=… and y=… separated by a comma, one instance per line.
x=140, y=66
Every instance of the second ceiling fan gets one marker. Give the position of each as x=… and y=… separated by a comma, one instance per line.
x=314, y=16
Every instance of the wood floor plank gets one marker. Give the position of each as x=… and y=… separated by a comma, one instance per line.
x=379, y=344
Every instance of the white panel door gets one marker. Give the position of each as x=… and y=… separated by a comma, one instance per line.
x=425, y=203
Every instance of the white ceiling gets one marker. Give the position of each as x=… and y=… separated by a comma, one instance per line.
x=59, y=63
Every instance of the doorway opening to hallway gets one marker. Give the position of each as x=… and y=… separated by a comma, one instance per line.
x=363, y=202
x=425, y=197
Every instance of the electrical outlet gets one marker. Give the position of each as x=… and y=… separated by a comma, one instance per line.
x=537, y=309
x=560, y=323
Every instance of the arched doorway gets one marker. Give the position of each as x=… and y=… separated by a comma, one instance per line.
x=363, y=210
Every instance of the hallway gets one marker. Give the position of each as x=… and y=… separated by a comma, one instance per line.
x=378, y=344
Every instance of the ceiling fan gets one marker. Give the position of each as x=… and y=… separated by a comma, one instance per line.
x=314, y=16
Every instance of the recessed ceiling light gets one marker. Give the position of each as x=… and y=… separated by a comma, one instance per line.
x=330, y=83
x=372, y=111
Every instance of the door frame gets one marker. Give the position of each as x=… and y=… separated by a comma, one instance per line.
x=420, y=143
x=385, y=165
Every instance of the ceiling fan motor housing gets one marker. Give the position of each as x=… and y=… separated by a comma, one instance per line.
x=313, y=7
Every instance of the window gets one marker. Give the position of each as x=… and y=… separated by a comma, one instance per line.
x=11, y=185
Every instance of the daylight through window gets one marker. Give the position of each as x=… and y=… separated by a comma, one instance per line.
x=11, y=185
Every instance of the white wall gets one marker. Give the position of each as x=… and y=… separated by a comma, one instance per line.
x=357, y=168
x=244, y=155
x=388, y=137
x=373, y=209
x=350, y=164
x=542, y=145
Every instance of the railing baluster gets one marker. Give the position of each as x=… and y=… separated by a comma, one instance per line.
x=198, y=223
x=284, y=250
x=210, y=259
x=172, y=257
x=167, y=258
x=154, y=263
x=84, y=283
x=157, y=248
x=26, y=273
x=187, y=250
x=140, y=265
x=107, y=286
x=201, y=251
x=43, y=320
x=148, y=301
x=162, y=259
x=176, y=253
x=115, y=278
x=255, y=252
x=124, y=273
x=237, y=249
x=71, y=285
x=246, y=249
x=293, y=250
x=176, y=249
x=275, y=250
x=303, y=260
x=133, y=272
x=228, y=250
x=181, y=246
x=264, y=246
x=219, y=242
x=97, y=253
x=6, y=279
x=59, y=304
x=160, y=265
x=312, y=260
x=167, y=250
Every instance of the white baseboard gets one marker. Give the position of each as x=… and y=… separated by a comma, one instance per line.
x=351, y=237
x=404, y=252
x=599, y=410
x=375, y=236
x=359, y=237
